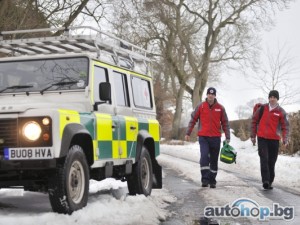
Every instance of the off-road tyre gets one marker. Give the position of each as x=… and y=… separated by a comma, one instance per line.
x=141, y=179
x=69, y=188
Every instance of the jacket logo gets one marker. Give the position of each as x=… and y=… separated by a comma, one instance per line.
x=217, y=110
x=276, y=114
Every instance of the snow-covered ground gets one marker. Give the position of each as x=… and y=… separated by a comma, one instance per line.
x=108, y=203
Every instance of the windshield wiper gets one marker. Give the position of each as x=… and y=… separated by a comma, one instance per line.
x=62, y=83
x=16, y=87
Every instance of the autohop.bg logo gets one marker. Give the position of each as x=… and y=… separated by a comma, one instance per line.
x=245, y=207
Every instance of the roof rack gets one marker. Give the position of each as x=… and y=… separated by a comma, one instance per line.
x=89, y=40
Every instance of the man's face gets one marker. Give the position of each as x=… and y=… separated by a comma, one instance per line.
x=210, y=97
x=273, y=100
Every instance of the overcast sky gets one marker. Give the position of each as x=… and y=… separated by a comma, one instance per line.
x=236, y=90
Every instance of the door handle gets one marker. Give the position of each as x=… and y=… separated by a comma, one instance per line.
x=132, y=128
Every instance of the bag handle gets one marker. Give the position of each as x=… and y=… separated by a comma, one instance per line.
x=225, y=143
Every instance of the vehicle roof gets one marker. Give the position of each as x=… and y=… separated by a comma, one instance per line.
x=97, y=45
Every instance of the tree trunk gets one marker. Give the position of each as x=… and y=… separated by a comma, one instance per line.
x=196, y=97
x=200, y=83
x=3, y=6
x=177, y=115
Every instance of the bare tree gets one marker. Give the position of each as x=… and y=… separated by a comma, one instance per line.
x=73, y=12
x=242, y=111
x=29, y=14
x=246, y=111
x=277, y=71
x=229, y=30
x=17, y=14
x=193, y=38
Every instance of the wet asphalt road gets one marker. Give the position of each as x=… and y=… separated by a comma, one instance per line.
x=189, y=207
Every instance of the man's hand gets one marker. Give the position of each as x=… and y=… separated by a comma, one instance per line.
x=285, y=144
x=227, y=141
x=253, y=141
x=187, y=138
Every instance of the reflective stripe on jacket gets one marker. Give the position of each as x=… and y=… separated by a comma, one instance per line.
x=271, y=125
x=211, y=120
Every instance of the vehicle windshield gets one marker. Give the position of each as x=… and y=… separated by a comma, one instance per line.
x=43, y=75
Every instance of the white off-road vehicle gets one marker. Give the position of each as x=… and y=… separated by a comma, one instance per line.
x=76, y=107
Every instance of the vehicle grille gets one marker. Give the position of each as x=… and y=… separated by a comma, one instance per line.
x=8, y=134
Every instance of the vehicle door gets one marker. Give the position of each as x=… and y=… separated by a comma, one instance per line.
x=127, y=124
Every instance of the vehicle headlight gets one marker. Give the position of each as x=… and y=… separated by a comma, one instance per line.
x=32, y=131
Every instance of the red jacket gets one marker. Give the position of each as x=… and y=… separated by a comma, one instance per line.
x=211, y=120
x=271, y=124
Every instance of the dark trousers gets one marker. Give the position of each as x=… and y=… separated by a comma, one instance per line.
x=268, y=153
x=209, y=150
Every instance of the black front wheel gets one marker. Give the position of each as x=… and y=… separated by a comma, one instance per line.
x=141, y=179
x=68, y=189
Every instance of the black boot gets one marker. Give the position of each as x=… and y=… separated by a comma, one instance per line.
x=266, y=185
x=212, y=186
x=204, y=184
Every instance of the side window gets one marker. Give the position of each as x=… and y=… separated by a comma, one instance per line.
x=121, y=89
x=141, y=92
x=100, y=75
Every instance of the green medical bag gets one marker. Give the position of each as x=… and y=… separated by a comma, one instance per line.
x=228, y=154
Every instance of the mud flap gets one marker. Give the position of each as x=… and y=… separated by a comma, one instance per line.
x=157, y=175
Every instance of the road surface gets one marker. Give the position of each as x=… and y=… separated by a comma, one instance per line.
x=192, y=199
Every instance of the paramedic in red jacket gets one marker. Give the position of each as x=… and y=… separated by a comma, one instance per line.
x=273, y=121
x=211, y=117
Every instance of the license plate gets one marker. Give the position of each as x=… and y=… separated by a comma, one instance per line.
x=28, y=153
